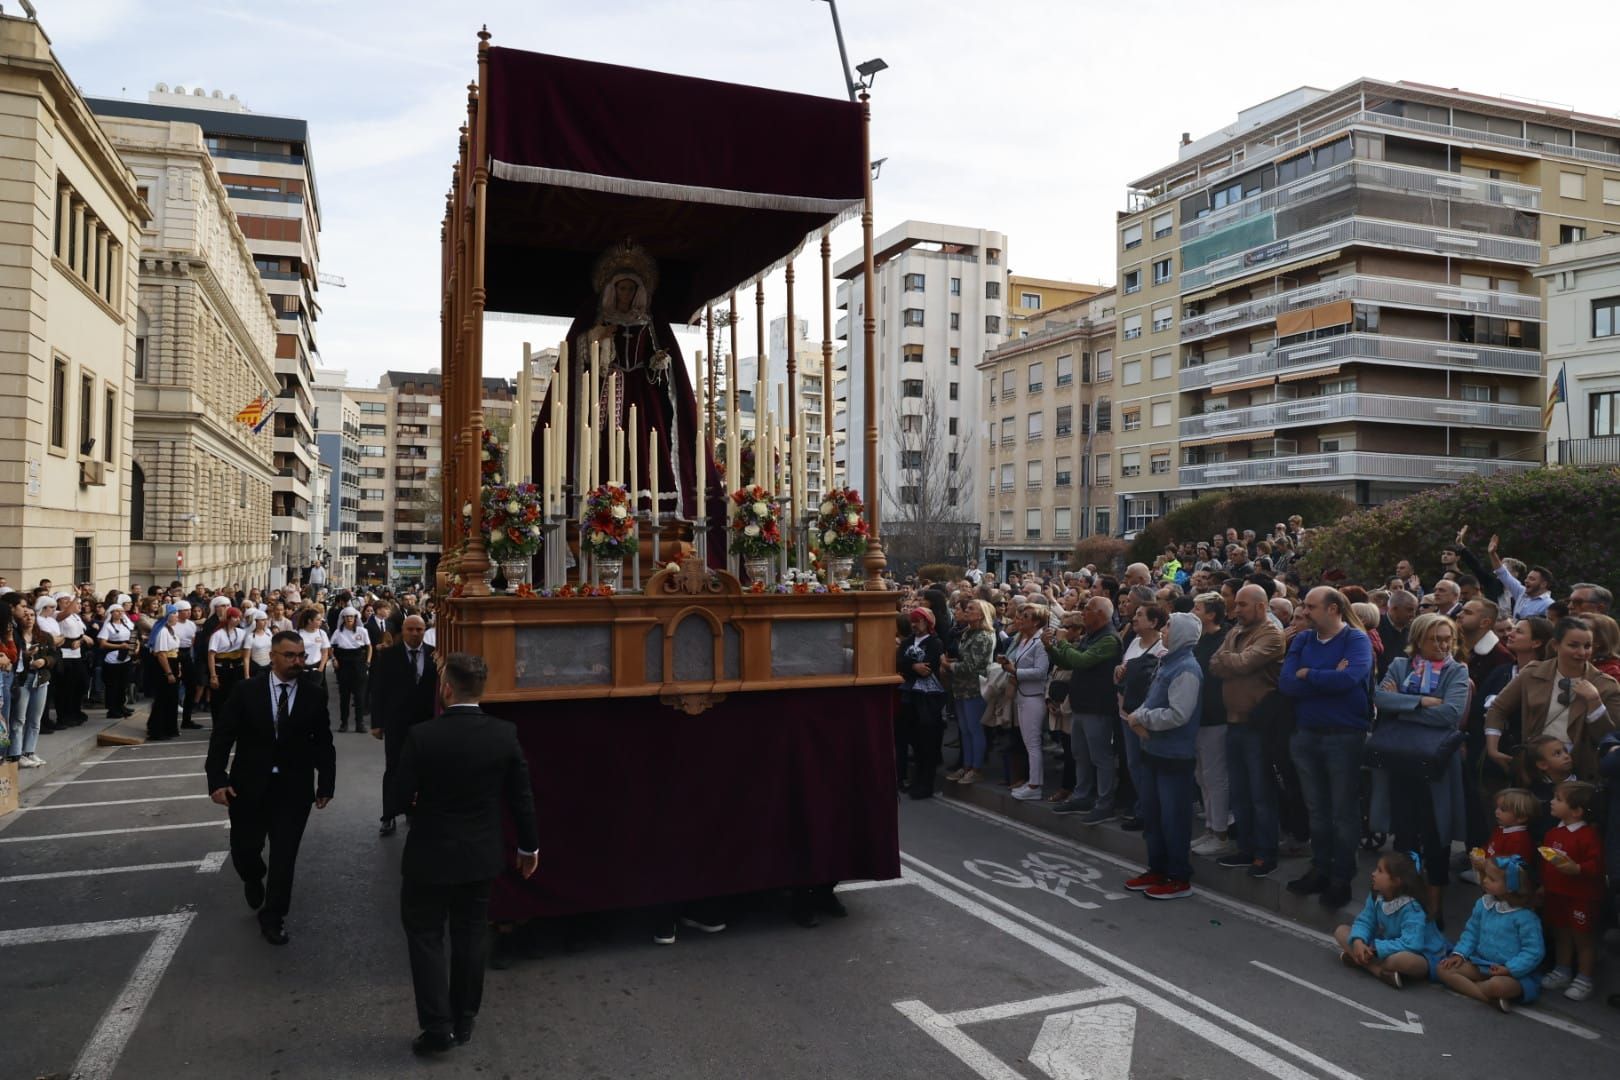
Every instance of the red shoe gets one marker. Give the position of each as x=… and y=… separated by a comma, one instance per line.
x=1146, y=882
x=1170, y=890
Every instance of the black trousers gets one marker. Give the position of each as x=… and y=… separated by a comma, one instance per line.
x=393, y=743
x=192, y=677
x=69, y=684
x=351, y=671
x=161, y=722
x=116, y=679
x=444, y=995
x=927, y=732
x=277, y=814
x=229, y=676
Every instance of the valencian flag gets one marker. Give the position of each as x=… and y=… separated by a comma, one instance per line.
x=253, y=413
x=1558, y=395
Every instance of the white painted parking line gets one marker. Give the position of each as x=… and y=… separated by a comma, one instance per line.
x=958, y=1042
x=110, y=802
x=130, y=779
x=145, y=760
x=166, y=744
x=100, y=1055
x=113, y=832
x=1049, y=1003
x=209, y=864
x=1381, y=1022
x=859, y=886
x=1087, y=959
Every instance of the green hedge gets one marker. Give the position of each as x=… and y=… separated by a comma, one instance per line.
x=1560, y=518
x=1259, y=510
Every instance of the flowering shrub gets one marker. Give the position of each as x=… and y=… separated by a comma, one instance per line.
x=1257, y=509
x=491, y=459
x=608, y=528
x=1560, y=518
x=510, y=520
x=756, y=530
x=840, y=528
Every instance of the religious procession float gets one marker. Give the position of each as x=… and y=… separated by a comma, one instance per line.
x=703, y=713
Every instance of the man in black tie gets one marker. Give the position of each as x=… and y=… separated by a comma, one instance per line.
x=280, y=728
x=403, y=687
x=454, y=773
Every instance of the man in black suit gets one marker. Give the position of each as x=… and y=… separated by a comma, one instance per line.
x=281, y=730
x=403, y=688
x=454, y=774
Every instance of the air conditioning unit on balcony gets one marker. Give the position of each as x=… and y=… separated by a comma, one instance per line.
x=92, y=473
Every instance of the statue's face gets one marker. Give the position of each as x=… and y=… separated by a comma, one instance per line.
x=624, y=294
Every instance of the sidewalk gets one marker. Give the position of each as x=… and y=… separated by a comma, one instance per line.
x=63, y=749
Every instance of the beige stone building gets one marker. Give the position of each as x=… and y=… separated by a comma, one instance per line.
x=1048, y=455
x=69, y=235
x=1338, y=290
x=1030, y=299
x=200, y=481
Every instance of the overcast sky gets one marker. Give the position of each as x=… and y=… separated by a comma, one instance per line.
x=1028, y=117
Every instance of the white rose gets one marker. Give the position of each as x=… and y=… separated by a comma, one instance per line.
x=534, y=530
x=853, y=519
x=673, y=566
x=483, y=455
x=751, y=530
x=597, y=537
x=513, y=507
x=466, y=508
x=619, y=512
x=761, y=509
x=826, y=508
x=829, y=537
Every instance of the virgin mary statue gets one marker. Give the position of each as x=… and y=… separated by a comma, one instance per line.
x=635, y=340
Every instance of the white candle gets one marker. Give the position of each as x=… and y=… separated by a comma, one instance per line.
x=702, y=460
x=654, y=466
x=634, y=453
x=733, y=432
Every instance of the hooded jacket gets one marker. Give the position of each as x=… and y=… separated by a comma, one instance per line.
x=1174, y=701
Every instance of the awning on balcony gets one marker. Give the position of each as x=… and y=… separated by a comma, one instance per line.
x=1313, y=373
x=1245, y=384
x=1216, y=440
x=1263, y=275
x=1319, y=317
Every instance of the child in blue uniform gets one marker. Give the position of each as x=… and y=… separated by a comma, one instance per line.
x=1501, y=948
x=1394, y=938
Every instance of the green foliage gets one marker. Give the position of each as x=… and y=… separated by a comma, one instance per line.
x=939, y=571
x=1559, y=518
x=1104, y=552
x=1259, y=510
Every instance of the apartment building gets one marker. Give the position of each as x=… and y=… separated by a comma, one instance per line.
x=68, y=247
x=337, y=427
x=267, y=166
x=1048, y=454
x=1339, y=289
x=200, y=482
x=1582, y=283
x=941, y=305
x=1029, y=299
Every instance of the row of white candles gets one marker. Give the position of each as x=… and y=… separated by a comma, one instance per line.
x=623, y=460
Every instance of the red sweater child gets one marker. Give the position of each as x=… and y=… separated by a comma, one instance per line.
x=1512, y=840
x=1573, y=900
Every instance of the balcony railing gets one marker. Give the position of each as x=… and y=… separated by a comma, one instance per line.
x=1603, y=450
x=1360, y=230
x=1376, y=174
x=1384, y=292
x=1258, y=155
x=1371, y=407
x=1347, y=465
x=1362, y=348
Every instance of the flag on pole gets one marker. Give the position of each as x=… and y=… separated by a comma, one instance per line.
x=253, y=413
x=1558, y=395
x=265, y=419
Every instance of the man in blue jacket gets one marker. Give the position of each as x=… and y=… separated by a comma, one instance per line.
x=1327, y=673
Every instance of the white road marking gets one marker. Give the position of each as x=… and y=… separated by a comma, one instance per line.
x=1087, y=1044
x=111, y=802
x=166, y=744
x=145, y=760
x=130, y=779
x=859, y=886
x=1410, y=1026
x=958, y=1042
x=1236, y=907
x=967, y=897
x=100, y=1055
x=1048, y=1003
x=113, y=832
x=206, y=865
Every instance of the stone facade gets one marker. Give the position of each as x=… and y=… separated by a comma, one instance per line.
x=207, y=338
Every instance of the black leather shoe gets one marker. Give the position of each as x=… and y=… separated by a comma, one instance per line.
x=253, y=889
x=432, y=1042
x=1308, y=883
x=464, y=1031
x=191, y=725
x=274, y=932
x=828, y=904
x=387, y=828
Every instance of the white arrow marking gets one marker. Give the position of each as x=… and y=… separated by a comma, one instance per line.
x=1087, y=1044
x=1410, y=1026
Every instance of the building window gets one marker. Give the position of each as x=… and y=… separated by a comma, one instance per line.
x=1130, y=463
x=1029, y=301
x=1006, y=523
x=1133, y=281
x=992, y=324
x=137, y=503
x=992, y=290
x=1163, y=317
x=1338, y=386
x=1034, y=473
x=911, y=354
x=1009, y=474
x=1104, y=520
x=1475, y=392
x=1131, y=236
x=956, y=390
x=1606, y=317
x=914, y=282
x=1009, y=384
x=1139, y=514
x=912, y=316
x=1159, y=465
x=1035, y=423
x=1603, y=413
x=109, y=425
x=1063, y=473
x=1130, y=419
x=1065, y=370
x=1476, y=448
x=59, y=369
x=1569, y=234
x=1105, y=364
x=1065, y=420
x=1161, y=414
x=1104, y=471
x=1032, y=524
x=87, y=399
x=1062, y=523
x=1611, y=190
x=1105, y=416
x=953, y=425
x=956, y=320
x=1161, y=366
x=1130, y=372
x=84, y=566
x=1572, y=185
x=1161, y=271
x=1163, y=224
x=1133, y=327
x=956, y=286
x=911, y=388
x=911, y=459
x=1007, y=433
x=1037, y=373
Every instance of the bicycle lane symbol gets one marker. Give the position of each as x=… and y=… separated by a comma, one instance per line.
x=1046, y=872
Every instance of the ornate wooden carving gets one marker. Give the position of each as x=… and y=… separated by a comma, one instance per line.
x=693, y=578
x=691, y=704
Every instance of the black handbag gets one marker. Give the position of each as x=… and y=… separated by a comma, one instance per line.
x=1412, y=749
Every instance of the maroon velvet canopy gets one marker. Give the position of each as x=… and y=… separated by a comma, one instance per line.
x=718, y=182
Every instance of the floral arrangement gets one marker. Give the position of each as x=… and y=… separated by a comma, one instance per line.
x=564, y=592
x=491, y=459
x=608, y=528
x=840, y=529
x=802, y=583
x=510, y=520
x=756, y=530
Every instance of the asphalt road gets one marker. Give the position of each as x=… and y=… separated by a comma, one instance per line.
x=126, y=951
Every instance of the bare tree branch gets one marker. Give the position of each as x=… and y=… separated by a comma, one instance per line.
x=928, y=494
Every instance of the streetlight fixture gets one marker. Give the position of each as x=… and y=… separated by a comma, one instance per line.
x=868, y=71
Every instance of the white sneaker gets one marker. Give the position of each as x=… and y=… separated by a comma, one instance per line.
x=29, y=761
x=1200, y=842
x=1580, y=989
x=1026, y=793
x=1218, y=847
x=1556, y=979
